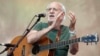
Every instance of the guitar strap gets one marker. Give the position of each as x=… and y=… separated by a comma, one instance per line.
x=58, y=35
x=52, y=51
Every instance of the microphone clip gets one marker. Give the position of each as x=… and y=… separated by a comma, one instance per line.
x=7, y=47
x=4, y=50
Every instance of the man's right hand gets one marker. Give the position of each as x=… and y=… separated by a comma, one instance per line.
x=57, y=20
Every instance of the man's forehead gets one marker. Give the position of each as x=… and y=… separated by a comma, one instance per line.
x=54, y=5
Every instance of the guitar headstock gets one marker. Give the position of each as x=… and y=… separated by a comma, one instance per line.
x=90, y=38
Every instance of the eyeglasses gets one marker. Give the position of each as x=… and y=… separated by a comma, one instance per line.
x=54, y=9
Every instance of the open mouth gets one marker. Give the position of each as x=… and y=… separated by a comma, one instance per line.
x=51, y=15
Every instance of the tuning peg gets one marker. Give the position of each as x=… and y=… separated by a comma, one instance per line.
x=87, y=43
x=97, y=38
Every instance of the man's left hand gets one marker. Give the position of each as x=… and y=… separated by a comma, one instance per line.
x=72, y=18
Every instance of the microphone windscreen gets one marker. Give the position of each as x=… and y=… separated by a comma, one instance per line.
x=41, y=15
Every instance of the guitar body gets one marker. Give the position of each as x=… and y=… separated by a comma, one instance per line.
x=25, y=49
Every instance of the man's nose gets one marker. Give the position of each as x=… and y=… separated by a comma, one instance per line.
x=51, y=11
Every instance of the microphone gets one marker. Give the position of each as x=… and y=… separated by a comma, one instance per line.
x=41, y=15
x=7, y=44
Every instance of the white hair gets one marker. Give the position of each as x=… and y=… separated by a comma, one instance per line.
x=63, y=9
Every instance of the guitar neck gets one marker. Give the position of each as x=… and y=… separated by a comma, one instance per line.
x=86, y=39
x=59, y=44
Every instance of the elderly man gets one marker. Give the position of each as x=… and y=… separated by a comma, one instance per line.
x=54, y=30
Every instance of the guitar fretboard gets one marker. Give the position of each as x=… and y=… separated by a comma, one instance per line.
x=59, y=44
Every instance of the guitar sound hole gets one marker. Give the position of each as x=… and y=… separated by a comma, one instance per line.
x=35, y=49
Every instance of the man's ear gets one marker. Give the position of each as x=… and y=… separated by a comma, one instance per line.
x=63, y=13
x=62, y=16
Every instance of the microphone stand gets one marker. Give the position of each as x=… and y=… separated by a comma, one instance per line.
x=4, y=50
x=24, y=35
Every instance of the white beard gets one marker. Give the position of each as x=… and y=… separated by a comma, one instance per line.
x=50, y=20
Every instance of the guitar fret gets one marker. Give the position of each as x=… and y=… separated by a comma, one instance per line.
x=78, y=40
x=55, y=45
x=59, y=44
x=75, y=40
x=63, y=43
x=52, y=46
x=42, y=48
x=71, y=41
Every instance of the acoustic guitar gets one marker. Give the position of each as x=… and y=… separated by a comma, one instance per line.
x=43, y=46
